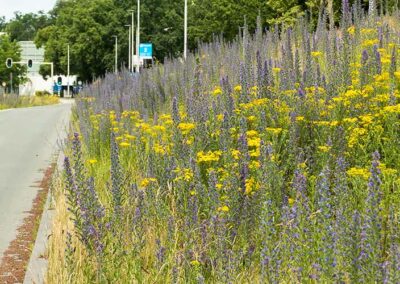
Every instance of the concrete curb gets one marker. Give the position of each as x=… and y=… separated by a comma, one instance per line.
x=38, y=263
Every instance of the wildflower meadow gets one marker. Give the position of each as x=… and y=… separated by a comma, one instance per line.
x=270, y=159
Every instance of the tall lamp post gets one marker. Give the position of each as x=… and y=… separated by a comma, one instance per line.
x=116, y=54
x=132, y=38
x=130, y=48
x=68, y=70
x=138, y=37
x=185, y=31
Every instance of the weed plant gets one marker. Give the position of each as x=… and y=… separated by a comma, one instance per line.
x=273, y=158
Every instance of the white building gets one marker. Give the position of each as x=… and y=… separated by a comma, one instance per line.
x=35, y=80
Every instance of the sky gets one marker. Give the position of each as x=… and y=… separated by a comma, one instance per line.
x=8, y=7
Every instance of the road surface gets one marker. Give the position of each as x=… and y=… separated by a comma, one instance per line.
x=29, y=138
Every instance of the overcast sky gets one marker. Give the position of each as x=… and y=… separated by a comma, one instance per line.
x=8, y=7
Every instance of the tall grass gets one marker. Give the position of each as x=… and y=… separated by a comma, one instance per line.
x=14, y=101
x=274, y=158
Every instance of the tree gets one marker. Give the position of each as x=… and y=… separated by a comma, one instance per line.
x=11, y=49
x=215, y=17
x=2, y=23
x=87, y=26
x=25, y=26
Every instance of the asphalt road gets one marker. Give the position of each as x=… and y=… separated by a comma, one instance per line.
x=29, y=138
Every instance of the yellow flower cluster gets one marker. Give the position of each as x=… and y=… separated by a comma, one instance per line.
x=359, y=172
x=217, y=91
x=183, y=174
x=185, y=128
x=146, y=181
x=210, y=156
x=251, y=186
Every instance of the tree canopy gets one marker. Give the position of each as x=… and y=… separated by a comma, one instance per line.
x=25, y=26
x=88, y=26
x=10, y=49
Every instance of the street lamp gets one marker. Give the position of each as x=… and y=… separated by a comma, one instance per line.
x=129, y=52
x=132, y=38
x=185, y=31
x=116, y=53
x=68, y=71
x=138, y=37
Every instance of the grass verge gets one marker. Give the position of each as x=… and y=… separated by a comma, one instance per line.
x=14, y=101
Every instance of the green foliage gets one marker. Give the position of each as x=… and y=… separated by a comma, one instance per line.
x=2, y=23
x=224, y=17
x=88, y=26
x=286, y=11
x=25, y=26
x=10, y=49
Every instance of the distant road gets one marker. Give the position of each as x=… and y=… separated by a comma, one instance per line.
x=28, y=139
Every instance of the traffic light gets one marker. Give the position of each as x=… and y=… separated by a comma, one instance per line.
x=30, y=63
x=59, y=81
x=9, y=63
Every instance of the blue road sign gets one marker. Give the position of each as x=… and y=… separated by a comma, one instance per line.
x=146, y=50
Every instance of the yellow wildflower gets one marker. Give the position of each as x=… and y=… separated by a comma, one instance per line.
x=355, y=134
x=124, y=144
x=185, y=128
x=251, y=133
x=189, y=140
x=255, y=153
x=359, y=172
x=235, y=154
x=316, y=54
x=92, y=161
x=251, y=118
x=195, y=263
x=351, y=30
x=324, y=148
x=146, y=181
x=392, y=109
x=255, y=164
x=254, y=142
x=159, y=128
x=365, y=31
x=250, y=185
x=369, y=42
x=237, y=88
x=274, y=131
x=366, y=119
x=350, y=119
x=217, y=91
x=183, y=174
x=210, y=156
x=223, y=208
x=130, y=137
x=158, y=149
